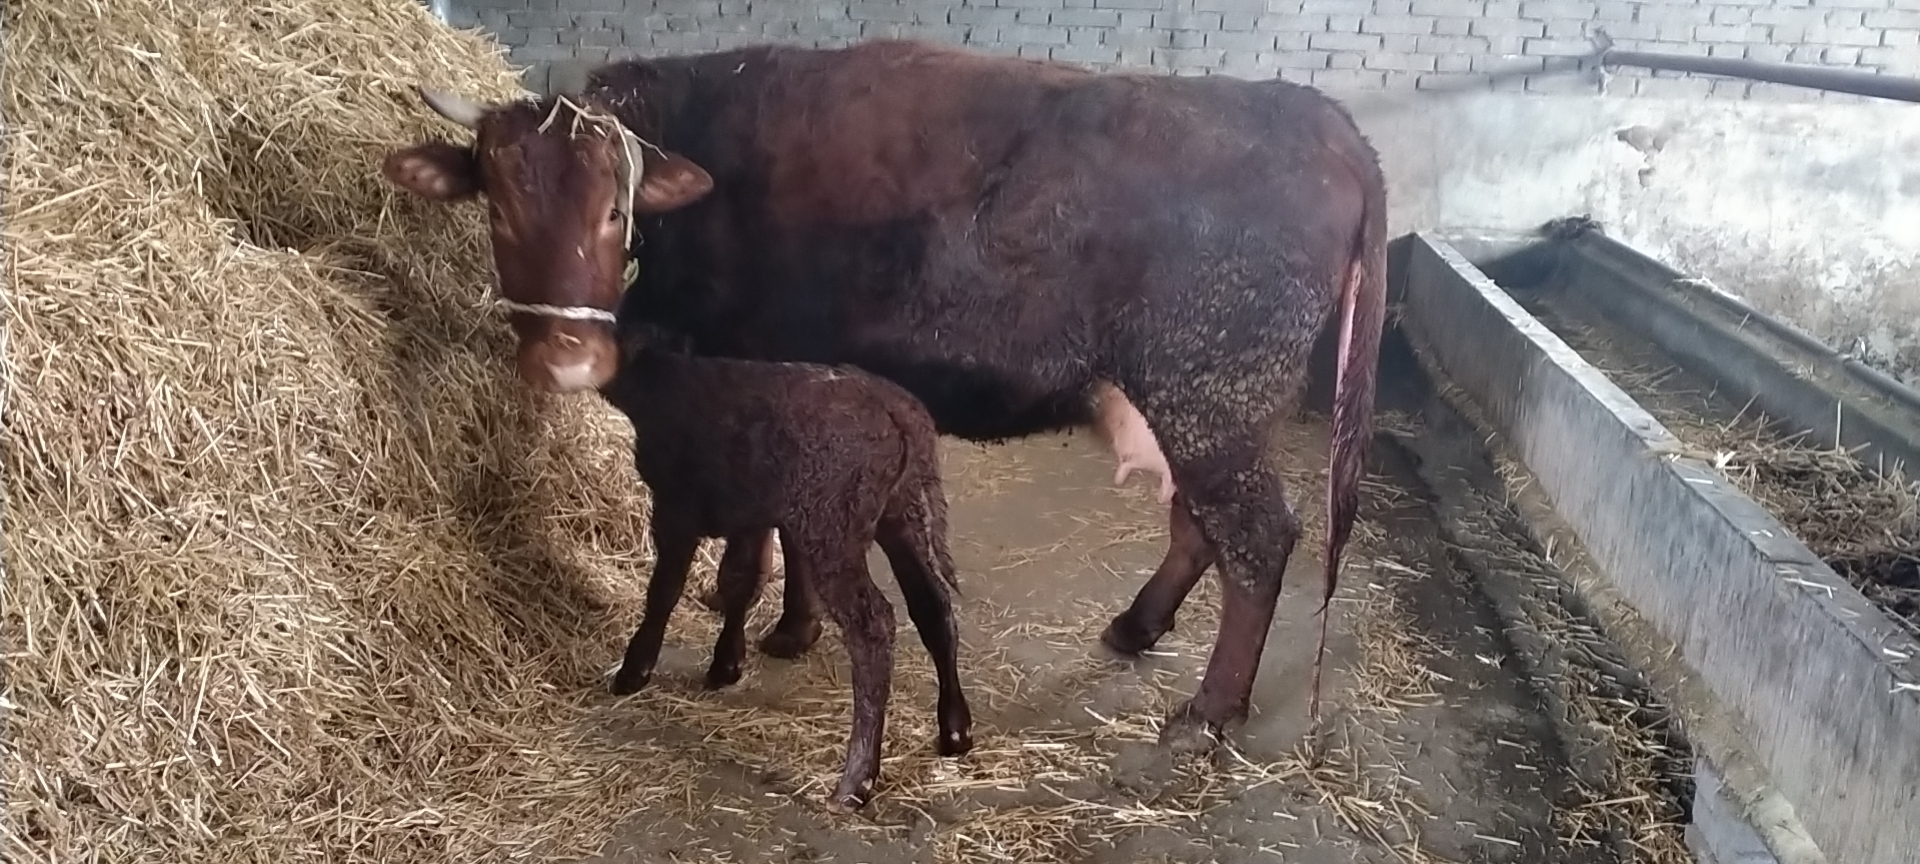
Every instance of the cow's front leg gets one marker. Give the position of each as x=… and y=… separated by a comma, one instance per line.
x=799, y=624
x=1151, y=615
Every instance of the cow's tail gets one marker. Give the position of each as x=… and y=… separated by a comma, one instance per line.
x=1363, y=304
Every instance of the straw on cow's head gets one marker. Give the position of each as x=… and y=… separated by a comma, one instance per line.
x=565, y=184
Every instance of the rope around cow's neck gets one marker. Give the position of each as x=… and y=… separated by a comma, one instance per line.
x=631, y=163
x=571, y=313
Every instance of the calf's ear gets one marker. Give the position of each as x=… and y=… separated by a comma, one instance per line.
x=435, y=170
x=670, y=184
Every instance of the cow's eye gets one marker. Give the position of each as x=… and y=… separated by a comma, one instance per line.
x=613, y=215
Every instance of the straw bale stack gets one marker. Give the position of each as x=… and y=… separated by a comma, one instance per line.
x=296, y=571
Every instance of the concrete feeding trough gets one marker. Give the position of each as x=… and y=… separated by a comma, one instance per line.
x=1823, y=685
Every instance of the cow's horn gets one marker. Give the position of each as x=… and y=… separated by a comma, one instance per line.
x=460, y=110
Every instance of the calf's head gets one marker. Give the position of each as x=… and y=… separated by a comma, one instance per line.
x=564, y=185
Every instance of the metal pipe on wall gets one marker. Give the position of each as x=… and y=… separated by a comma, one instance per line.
x=1874, y=84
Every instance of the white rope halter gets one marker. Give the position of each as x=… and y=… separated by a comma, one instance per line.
x=631, y=163
x=571, y=313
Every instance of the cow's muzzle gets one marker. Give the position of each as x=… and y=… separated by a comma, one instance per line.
x=566, y=362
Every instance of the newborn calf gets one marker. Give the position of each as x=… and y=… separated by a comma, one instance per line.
x=1117, y=424
x=833, y=458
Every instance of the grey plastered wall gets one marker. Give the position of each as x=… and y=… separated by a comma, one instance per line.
x=1801, y=202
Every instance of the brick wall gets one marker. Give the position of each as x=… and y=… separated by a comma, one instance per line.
x=1343, y=45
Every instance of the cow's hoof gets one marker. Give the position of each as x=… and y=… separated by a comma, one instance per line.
x=626, y=683
x=722, y=675
x=711, y=600
x=786, y=644
x=1126, y=635
x=1187, y=733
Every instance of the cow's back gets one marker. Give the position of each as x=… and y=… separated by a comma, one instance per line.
x=991, y=232
x=888, y=129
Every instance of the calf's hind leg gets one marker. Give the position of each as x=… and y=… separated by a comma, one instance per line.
x=905, y=542
x=838, y=571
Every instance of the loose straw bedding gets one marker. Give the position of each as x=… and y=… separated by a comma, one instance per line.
x=296, y=570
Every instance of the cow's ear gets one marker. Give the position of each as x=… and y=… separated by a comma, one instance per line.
x=670, y=184
x=435, y=170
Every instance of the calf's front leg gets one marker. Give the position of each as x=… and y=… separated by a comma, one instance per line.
x=738, y=586
x=799, y=624
x=674, y=547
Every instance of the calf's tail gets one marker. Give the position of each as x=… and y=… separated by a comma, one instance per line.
x=933, y=502
x=1363, y=308
x=921, y=493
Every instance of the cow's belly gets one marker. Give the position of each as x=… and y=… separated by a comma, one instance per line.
x=971, y=394
x=990, y=353
x=981, y=403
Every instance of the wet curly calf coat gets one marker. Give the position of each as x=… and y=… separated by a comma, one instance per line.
x=999, y=236
x=836, y=459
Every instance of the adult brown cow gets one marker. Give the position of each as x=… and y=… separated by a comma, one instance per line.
x=997, y=235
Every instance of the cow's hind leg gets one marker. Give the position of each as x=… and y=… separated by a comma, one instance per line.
x=1217, y=436
x=1240, y=501
x=799, y=624
x=764, y=543
x=738, y=586
x=1151, y=615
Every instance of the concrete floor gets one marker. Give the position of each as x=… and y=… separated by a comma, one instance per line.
x=1435, y=747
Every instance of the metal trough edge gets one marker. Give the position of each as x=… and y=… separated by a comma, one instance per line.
x=1812, y=672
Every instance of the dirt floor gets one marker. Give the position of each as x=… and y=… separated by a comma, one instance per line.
x=1865, y=526
x=1471, y=717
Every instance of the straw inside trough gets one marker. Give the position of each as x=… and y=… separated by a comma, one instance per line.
x=1864, y=523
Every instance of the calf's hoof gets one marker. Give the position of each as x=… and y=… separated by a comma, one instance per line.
x=1188, y=733
x=711, y=600
x=722, y=675
x=956, y=727
x=954, y=743
x=788, y=643
x=1126, y=635
x=849, y=798
x=626, y=682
